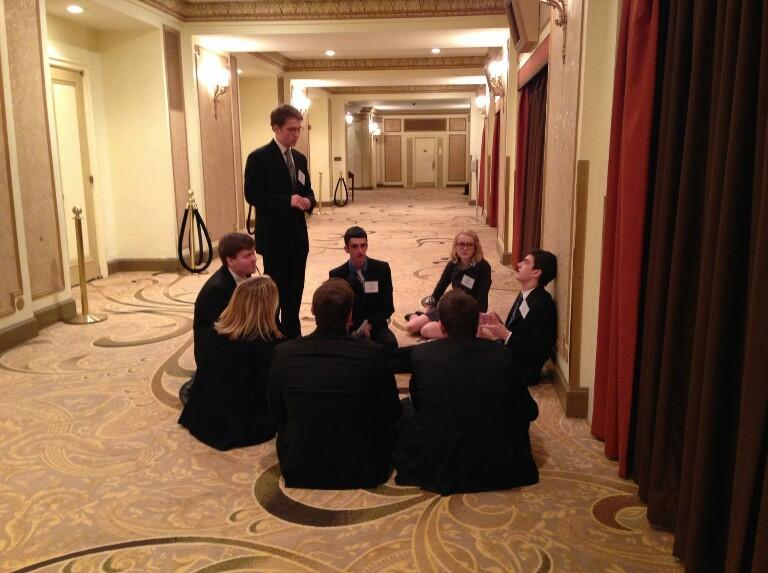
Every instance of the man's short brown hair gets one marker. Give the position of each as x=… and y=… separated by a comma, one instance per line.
x=459, y=313
x=281, y=114
x=232, y=243
x=332, y=303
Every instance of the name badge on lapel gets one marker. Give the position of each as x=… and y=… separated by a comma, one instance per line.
x=467, y=281
x=371, y=287
x=300, y=176
x=524, y=309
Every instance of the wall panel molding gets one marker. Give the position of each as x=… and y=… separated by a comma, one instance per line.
x=33, y=147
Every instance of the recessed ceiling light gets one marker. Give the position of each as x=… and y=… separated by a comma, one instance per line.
x=330, y=53
x=435, y=50
x=75, y=9
x=239, y=71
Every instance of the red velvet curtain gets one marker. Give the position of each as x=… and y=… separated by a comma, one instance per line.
x=481, y=169
x=493, y=199
x=624, y=224
x=529, y=174
x=701, y=413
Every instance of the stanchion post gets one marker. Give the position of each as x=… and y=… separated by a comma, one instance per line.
x=191, y=223
x=320, y=195
x=85, y=317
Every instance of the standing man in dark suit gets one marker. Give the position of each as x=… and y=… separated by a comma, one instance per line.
x=530, y=330
x=238, y=262
x=371, y=280
x=277, y=184
x=465, y=427
x=334, y=401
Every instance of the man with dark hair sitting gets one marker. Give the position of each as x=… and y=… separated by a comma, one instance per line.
x=371, y=280
x=530, y=330
x=334, y=401
x=237, y=252
x=465, y=427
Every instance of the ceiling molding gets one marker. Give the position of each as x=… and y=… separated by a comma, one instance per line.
x=448, y=88
x=401, y=112
x=281, y=10
x=361, y=64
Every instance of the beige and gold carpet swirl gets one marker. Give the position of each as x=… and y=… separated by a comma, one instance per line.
x=96, y=475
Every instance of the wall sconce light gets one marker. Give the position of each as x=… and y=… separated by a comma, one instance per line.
x=212, y=73
x=496, y=71
x=562, y=17
x=299, y=99
x=374, y=127
x=481, y=102
x=348, y=118
x=221, y=87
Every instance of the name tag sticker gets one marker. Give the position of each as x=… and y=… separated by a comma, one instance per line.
x=467, y=281
x=371, y=287
x=300, y=176
x=524, y=309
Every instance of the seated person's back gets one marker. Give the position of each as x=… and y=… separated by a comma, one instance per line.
x=228, y=405
x=467, y=429
x=334, y=401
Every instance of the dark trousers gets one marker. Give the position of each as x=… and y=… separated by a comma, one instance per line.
x=288, y=274
x=384, y=336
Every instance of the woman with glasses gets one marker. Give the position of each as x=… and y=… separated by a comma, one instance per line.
x=468, y=271
x=227, y=406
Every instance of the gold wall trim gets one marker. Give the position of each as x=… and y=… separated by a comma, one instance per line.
x=399, y=112
x=274, y=10
x=577, y=273
x=410, y=89
x=360, y=64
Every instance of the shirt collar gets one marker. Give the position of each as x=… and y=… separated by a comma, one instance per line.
x=353, y=270
x=237, y=277
x=282, y=147
x=525, y=293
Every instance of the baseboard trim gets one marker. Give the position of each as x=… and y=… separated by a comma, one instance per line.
x=149, y=265
x=472, y=202
x=55, y=312
x=574, y=401
x=504, y=258
x=18, y=333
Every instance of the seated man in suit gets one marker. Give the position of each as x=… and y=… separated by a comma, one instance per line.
x=530, y=330
x=334, y=401
x=371, y=280
x=465, y=427
x=237, y=252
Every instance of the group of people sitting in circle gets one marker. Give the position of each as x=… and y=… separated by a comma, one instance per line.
x=330, y=397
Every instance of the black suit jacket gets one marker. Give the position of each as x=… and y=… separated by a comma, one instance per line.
x=212, y=299
x=280, y=229
x=470, y=431
x=227, y=406
x=534, y=336
x=335, y=404
x=376, y=307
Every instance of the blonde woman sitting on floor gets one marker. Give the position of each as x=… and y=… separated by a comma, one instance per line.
x=468, y=271
x=227, y=406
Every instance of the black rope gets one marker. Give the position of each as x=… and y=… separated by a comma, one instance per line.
x=202, y=230
x=250, y=230
x=339, y=185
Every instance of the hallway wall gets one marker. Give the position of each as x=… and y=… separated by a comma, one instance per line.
x=258, y=97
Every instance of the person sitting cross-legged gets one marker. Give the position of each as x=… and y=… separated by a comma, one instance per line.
x=465, y=427
x=371, y=281
x=334, y=400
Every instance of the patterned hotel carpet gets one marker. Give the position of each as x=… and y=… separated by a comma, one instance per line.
x=97, y=476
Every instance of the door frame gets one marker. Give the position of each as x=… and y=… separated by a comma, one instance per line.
x=433, y=183
x=63, y=75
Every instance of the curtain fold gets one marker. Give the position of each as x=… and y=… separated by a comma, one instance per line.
x=481, y=169
x=624, y=224
x=493, y=197
x=701, y=410
x=529, y=175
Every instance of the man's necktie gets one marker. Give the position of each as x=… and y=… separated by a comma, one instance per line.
x=360, y=276
x=515, y=309
x=291, y=167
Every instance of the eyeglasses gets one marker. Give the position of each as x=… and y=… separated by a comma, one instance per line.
x=465, y=245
